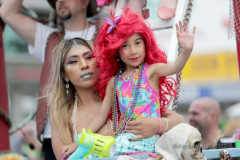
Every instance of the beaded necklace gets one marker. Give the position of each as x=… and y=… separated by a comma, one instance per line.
x=131, y=107
x=120, y=75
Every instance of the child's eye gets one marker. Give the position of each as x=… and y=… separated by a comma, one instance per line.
x=138, y=43
x=124, y=46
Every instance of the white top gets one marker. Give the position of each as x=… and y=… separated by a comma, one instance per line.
x=38, y=50
x=42, y=33
x=74, y=117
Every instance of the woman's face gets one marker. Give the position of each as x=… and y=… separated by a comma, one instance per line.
x=80, y=68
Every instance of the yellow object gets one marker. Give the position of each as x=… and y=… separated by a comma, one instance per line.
x=103, y=146
x=160, y=157
x=220, y=66
x=10, y=156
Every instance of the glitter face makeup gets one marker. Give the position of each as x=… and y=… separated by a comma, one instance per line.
x=80, y=66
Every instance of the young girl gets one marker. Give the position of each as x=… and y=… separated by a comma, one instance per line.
x=132, y=76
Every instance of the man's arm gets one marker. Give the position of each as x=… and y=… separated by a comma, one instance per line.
x=23, y=25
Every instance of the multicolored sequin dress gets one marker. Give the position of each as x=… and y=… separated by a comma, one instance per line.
x=148, y=105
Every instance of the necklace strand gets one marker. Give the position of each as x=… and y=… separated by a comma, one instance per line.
x=131, y=107
x=130, y=76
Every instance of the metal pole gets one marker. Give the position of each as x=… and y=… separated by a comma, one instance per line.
x=4, y=126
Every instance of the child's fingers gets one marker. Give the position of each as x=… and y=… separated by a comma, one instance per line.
x=186, y=26
x=194, y=30
x=178, y=34
x=181, y=27
x=177, y=27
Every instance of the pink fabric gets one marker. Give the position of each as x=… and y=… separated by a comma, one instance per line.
x=136, y=153
x=101, y=2
x=238, y=134
x=149, y=100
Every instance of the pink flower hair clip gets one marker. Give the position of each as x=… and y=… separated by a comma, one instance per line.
x=112, y=24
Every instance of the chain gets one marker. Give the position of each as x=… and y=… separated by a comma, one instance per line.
x=178, y=79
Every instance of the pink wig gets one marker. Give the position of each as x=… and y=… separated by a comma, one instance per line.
x=106, y=50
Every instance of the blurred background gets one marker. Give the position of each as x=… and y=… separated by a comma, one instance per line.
x=211, y=71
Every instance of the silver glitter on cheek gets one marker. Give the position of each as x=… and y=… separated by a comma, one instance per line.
x=68, y=67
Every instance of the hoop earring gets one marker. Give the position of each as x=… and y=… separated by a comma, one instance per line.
x=67, y=87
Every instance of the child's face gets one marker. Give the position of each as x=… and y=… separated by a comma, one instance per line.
x=132, y=52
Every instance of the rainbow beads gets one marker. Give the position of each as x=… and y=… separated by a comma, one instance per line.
x=131, y=106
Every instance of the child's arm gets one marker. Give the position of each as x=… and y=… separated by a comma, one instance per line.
x=186, y=40
x=100, y=118
x=109, y=134
x=120, y=122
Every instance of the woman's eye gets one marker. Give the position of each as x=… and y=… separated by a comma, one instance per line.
x=88, y=57
x=72, y=61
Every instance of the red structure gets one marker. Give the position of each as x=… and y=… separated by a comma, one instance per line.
x=236, y=7
x=4, y=127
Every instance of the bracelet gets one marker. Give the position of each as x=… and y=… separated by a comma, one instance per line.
x=166, y=126
x=160, y=125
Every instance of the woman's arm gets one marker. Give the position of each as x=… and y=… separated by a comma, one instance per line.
x=100, y=118
x=173, y=119
x=57, y=142
x=186, y=40
x=148, y=126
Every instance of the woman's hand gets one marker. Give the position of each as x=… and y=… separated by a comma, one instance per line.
x=143, y=127
x=69, y=149
x=185, y=39
x=148, y=126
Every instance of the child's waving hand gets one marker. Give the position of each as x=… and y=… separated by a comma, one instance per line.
x=185, y=38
